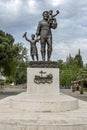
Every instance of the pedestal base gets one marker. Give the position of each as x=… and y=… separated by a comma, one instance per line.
x=16, y=119
x=44, y=103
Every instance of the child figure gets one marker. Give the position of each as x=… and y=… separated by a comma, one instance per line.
x=33, y=48
x=52, y=17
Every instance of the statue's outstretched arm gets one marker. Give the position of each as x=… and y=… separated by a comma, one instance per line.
x=57, y=12
x=25, y=36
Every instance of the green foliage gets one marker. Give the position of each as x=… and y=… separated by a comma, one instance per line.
x=11, y=56
x=21, y=74
x=60, y=63
x=68, y=74
x=78, y=60
x=71, y=69
x=82, y=78
x=82, y=74
x=9, y=80
x=69, y=60
x=7, y=58
x=23, y=63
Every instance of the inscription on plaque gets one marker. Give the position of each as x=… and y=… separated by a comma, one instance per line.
x=43, y=78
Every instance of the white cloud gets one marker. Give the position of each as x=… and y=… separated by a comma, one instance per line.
x=10, y=6
x=9, y=10
x=55, y=3
x=33, y=6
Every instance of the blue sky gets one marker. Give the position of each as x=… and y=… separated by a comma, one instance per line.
x=18, y=16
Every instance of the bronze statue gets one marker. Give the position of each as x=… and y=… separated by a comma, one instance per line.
x=44, y=31
x=33, y=49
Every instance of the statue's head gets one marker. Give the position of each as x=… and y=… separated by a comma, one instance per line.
x=33, y=36
x=45, y=15
x=50, y=12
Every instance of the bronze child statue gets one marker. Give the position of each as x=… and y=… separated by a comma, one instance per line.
x=52, y=18
x=33, y=48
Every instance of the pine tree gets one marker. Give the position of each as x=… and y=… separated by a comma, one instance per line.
x=78, y=59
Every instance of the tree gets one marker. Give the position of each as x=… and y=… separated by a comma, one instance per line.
x=7, y=55
x=78, y=59
x=71, y=68
x=68, y=74
x=69, y=60
x=10, y=54
x=60, y=63
x=21, y=74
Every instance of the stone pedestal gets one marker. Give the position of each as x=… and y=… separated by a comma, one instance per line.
x=43, y=78
x=45, y=83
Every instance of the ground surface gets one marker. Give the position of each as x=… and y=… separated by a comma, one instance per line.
x=10, y=92
x=75, y=94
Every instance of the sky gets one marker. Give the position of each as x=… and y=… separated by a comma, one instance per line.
x=19, y=16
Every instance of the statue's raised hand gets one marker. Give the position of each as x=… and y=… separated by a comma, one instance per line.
x=57, y=11
x=24, y=35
